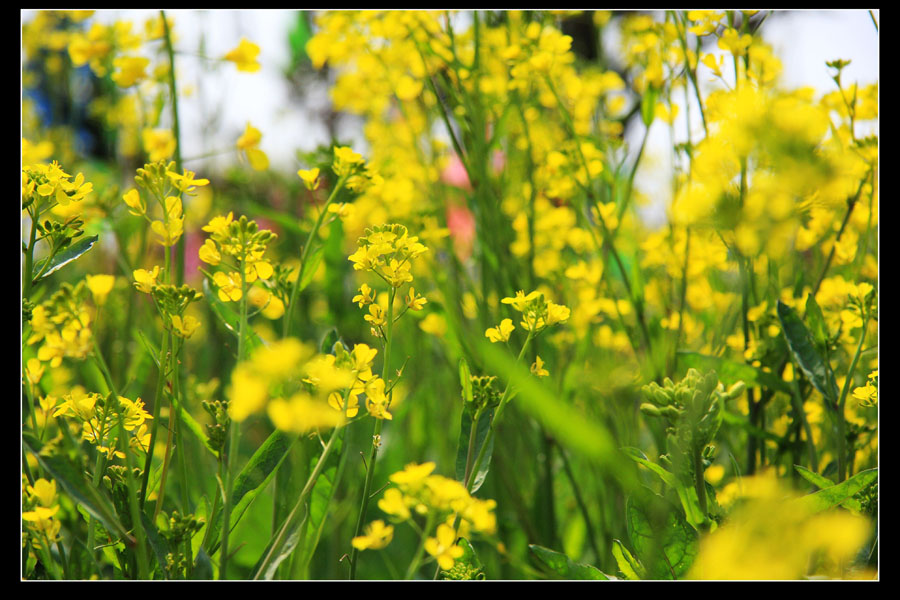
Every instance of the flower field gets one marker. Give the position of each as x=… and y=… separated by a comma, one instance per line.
x=480, y=331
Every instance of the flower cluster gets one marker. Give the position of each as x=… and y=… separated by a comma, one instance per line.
x=63, y=324
x=100, y=416
x=236, y=245
x=417, y=491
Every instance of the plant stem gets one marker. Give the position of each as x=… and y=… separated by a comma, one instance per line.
x=286, y=331
x=370, y=465
x=417, y=557
x=281, y=537
x=176, y=130
x=233, y=433
x=842, y=435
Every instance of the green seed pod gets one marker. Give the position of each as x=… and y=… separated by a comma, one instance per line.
x=736, y=390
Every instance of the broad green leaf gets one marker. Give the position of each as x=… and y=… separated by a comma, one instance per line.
x=329, y=340
x=71, y=478
x=297, y=37
x=569, y=426
x=231, y=320
x=820, y=481
x=802, y=346
x=255, y=476
x=730, y=372
x=203, y=568
x=564, y=566
x=319, y=501
x=312, y=265
x=65, y=257
x=837, y=494
x=686, y=494
x=677, y=540
x=465, y=431
x=816, y=321
x=629, y=567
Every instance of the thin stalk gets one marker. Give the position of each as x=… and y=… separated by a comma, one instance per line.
x=176, y=130
x=842, y=439
x=282, y=535
x=370, y=465
x=286, y=331
x=417, y=557
x=160, y=382
x=233, y=435
x=801, y=415
x=850, y=204
x=143, y=571
x=29, y=255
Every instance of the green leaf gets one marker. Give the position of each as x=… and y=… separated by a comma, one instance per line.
x=230, y=319
x=569, y=426
x=802, y=346
x=72, y=479
x=63, y=258
x=255, y=476
x=668, y=552
x=297, y=37
x=628, y=565
x=465, y=431
x=159, y=545
x=730, y=372
x=686, y=493
x=564, y=566
x=820, y=481
x=837, y=494
x=465, y=381
x=329, y=340
x=202, y=566
x=648, y=105
x=319, y=501
x=310, y=267
x=816, y=321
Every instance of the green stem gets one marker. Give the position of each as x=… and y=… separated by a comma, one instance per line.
x=417, y=557
x=842, y=435
x=136, y=523
x=29, y=255
x=576, y=489
x=281, y=538
x=233, y=435
x=370, y=466
x=154, y=428
x=305, y=254
x=176, y=130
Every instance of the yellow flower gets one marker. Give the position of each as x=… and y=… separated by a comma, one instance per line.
x=557, y=313
x=302, y=414
x=377, y=535
x=145, y=280
x=100, y=286
x=336, y=401
x=186, y=182
x=414, y=302
x=185, y=327
x=365, y=296
x=501, y=332
x=130, y=70
x=248, y=143
x=376, y=315
x=443, y=547
x=345, y=160
x=247, y=394
x=520, y=301
x=434, y=324
x=393, y=504
x=159, y=144
x=209, y=253
x=134, y=201
x=538, y=368
x=244, y=56
x=218, y=224
x=229, y=286
x=413, y=475
x=34, y=370
x=44, y=491
x=310, y=178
